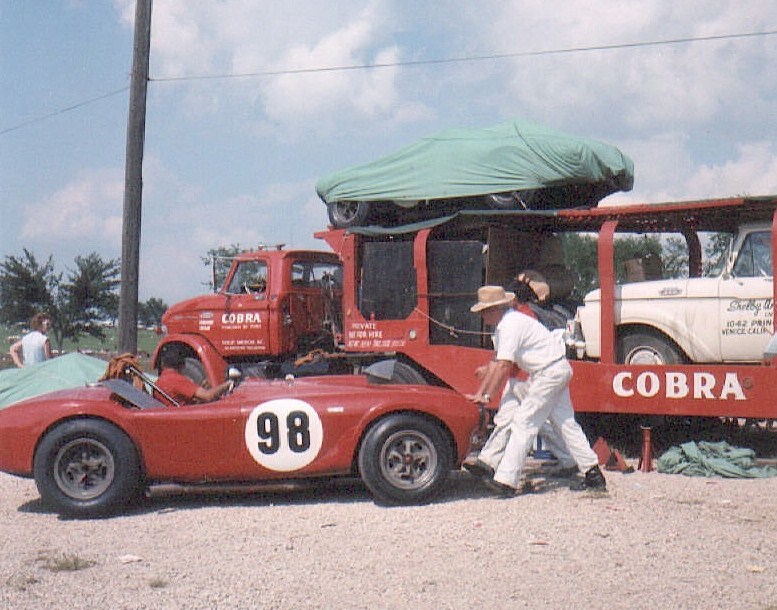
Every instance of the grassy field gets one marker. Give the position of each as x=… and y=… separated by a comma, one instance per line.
x=147, y=340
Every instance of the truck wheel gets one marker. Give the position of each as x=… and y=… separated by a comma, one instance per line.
x=87, y=468
x=346, y=214
x=647, y=348
x=404, y=459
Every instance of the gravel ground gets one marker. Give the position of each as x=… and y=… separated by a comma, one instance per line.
x=652, y=541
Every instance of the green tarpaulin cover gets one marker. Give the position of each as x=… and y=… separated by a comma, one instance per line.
x=707, y=459
x=514, y=156
x=68, y=371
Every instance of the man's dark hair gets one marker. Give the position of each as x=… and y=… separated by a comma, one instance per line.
x=523, y=292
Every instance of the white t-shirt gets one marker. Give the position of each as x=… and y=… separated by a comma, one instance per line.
x=34, y=347
x=526, y=342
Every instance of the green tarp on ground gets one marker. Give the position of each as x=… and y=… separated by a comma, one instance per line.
x=514, y=156
x=707, y=459
x=68, y=371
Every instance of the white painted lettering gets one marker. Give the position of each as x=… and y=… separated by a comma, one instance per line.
x=676, y=385
x=703, y=384
x=731, y=387
x=648, y=384
x=618, y=385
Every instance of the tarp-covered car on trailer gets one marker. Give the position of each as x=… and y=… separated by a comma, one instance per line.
x=514, y=165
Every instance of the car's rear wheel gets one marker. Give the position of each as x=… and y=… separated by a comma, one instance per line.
x=405, y=459
x=639, y=348
x=346, y=214
x=87, y=468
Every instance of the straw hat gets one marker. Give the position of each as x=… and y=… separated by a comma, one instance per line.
x=491, y=296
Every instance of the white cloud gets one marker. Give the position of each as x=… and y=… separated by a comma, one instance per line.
x=87, y=208
x=752, y=172
x=669, y=172
x=197, y=37
x=633, y=88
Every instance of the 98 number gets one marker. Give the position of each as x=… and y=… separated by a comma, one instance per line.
x=297, y=432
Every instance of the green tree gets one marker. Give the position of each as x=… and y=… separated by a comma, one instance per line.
x=88, y=297
x=219, y=260
x=76, y=306
x=715, y=251
x=26, y=287
x=581, y=257
x=150, y=312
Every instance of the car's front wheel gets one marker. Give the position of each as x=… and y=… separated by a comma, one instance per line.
x=405, y=459
x=87, y=468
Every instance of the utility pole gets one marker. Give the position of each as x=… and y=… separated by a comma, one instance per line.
x=133, y=181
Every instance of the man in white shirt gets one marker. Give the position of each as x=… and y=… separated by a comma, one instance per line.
x=34, y=347
x=522, y=341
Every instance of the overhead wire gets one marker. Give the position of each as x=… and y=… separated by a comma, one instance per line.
x=408, y=63
x=64, y=110
x=473, y=58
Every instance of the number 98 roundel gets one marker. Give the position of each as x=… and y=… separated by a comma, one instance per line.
x=284, y=434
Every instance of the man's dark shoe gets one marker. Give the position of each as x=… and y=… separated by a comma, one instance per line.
x=564, y=472
x=479, y=469
x=592, y=481
x=500, y=489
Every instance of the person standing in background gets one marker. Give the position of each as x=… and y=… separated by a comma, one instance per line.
x=35, y=346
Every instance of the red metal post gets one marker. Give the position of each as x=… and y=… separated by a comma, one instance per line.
x=606, y=259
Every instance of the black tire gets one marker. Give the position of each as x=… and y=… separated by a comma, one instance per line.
x=87, y=468
x=407, y=375
x=394, y=372
x=405, y=459
x=647, y=348
x=347, y=214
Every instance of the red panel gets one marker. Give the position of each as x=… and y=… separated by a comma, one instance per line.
x=705, y=390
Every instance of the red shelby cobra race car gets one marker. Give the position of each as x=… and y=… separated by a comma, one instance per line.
x=95, y=449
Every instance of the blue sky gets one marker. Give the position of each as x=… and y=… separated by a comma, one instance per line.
x=235, y=160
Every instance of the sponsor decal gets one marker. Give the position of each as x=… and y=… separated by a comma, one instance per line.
x=205, y=320
x=248, y=317
x=749, y=317
x=284, y=434
x=674, y=384
x=368, y=335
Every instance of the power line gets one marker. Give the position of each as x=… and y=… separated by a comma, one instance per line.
x=410, y=63
x=63, y=110
x=451, y=60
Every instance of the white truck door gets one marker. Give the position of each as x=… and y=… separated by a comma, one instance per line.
x=746, y=305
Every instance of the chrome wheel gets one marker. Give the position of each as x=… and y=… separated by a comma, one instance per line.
x=408, y=459
x=644, y=355
x=84, y=469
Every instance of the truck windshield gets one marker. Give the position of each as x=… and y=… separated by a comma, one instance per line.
x=250, y=277
x=314, y=274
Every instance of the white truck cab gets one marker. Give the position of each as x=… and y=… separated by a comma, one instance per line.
x=724, y=318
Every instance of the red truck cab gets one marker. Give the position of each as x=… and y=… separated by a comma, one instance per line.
x=273, y=306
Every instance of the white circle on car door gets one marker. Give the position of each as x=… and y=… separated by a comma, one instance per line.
x=284, y=434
